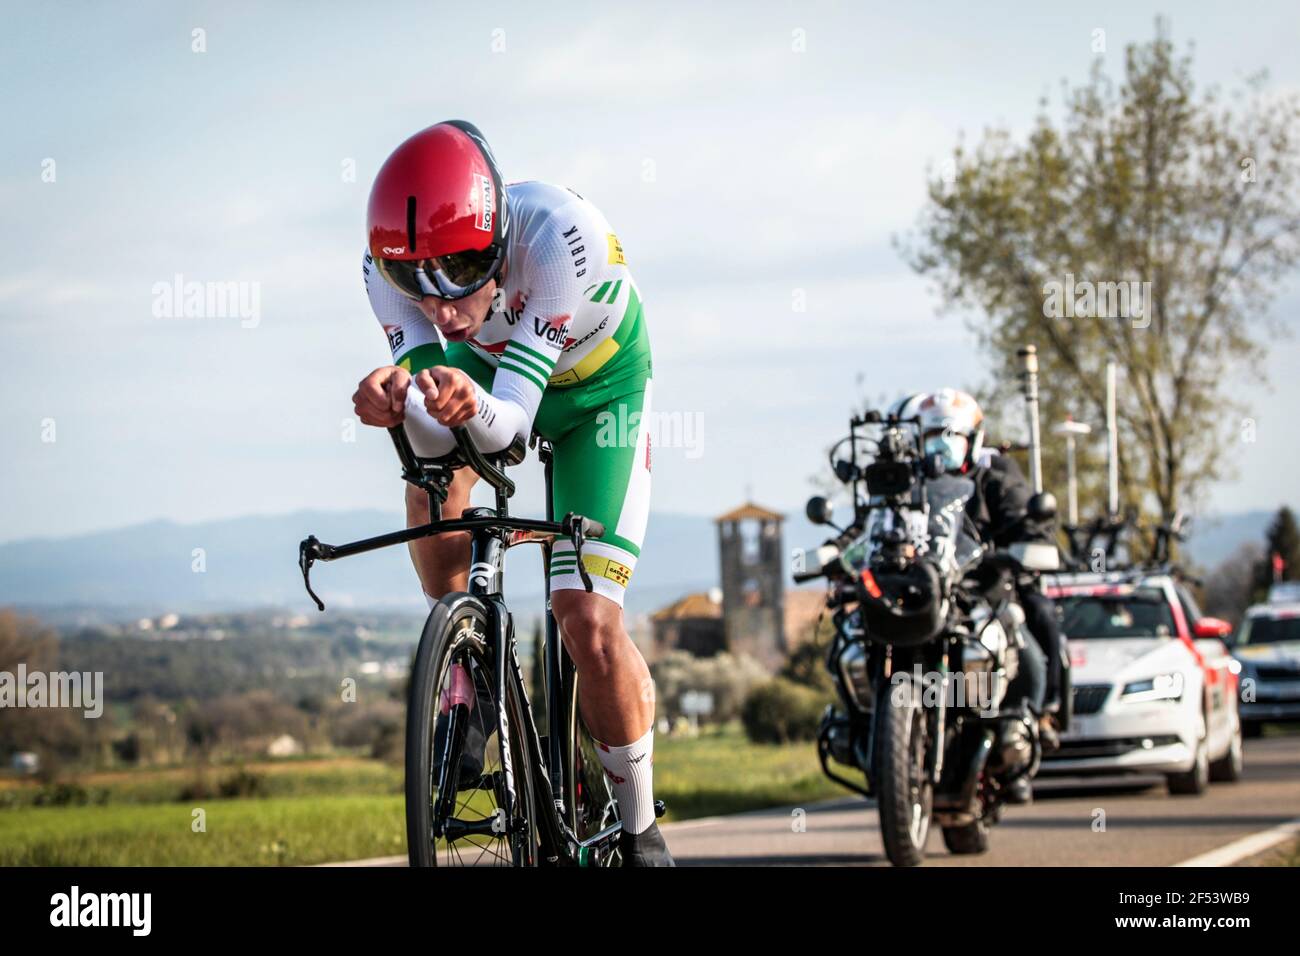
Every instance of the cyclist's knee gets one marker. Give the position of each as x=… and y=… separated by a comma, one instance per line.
x=592, y=627
x=417, y=506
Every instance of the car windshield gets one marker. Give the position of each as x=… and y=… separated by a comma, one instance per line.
x=1269, y=630
x=1140, y=613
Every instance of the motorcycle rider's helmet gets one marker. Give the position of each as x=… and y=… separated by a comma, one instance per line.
x=438, y=217
x=907, y=406
x=952, y=427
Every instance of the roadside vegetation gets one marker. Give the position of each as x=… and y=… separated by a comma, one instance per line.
x=303, y=811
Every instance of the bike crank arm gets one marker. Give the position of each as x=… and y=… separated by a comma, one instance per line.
x=593, y=851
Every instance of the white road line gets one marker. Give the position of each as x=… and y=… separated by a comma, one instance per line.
x=1238, y=850
x=831, y=804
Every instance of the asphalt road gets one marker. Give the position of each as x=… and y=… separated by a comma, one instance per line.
x=1144, y=826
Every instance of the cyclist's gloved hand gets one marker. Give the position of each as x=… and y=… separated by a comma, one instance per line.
x=449, y=395
x=380, y=399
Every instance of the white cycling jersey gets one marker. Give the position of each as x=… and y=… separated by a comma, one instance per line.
x=563, y=299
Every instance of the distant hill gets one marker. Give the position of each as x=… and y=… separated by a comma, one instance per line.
x=1215, y=538
x=252, y=562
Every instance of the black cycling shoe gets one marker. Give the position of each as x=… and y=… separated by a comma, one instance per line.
x=645, y=849
x=1020, y=792
x=482, y=723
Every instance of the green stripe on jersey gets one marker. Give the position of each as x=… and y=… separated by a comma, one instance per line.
x=527, y=372
x=546, y=360
x=521, y=358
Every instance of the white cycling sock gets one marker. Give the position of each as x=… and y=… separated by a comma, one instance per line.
x=630, y=770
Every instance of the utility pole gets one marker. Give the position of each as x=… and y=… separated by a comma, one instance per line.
x=1028, y=357
x=1072, y=429
x=1112, y=444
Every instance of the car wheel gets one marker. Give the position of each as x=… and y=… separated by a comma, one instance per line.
x=1227, y=769
x=1197, y=779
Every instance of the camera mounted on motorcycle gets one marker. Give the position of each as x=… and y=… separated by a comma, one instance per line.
x=889, y=479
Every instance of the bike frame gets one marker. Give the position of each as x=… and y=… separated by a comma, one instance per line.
x=492, y=533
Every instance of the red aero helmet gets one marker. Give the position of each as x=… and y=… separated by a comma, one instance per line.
x=438, y=216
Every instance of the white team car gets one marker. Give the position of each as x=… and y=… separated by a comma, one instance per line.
x=1154, y=687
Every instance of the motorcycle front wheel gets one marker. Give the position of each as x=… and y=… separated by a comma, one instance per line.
x=904, y=792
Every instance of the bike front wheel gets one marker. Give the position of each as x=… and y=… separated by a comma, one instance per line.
x=469, y=779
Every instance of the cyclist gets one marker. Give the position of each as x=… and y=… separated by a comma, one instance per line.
x=509, y=309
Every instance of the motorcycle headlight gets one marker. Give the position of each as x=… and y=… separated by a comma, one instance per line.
x=1159, y=687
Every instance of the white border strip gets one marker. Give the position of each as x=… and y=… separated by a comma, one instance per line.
x=373, y=861
x=1238, y=850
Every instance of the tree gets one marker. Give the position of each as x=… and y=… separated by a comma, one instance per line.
x=1194, y=199
x=806, y=664
x=59, y=735
x=1283, y=540
x=1229, y=588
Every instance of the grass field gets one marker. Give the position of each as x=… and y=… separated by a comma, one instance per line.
x=318, y=810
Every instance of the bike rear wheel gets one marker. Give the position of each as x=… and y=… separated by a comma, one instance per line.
x=454, y=816
x=593, y=805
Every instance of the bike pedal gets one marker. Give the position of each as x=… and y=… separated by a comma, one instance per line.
x=660, y=808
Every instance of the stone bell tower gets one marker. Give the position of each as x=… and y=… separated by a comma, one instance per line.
x=753, y=583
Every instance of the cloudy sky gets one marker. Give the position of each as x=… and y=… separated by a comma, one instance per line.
x=742, y=163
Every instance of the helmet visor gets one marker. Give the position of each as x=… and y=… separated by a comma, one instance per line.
x=452, y=276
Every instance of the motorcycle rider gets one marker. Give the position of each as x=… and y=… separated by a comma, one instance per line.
x=952, y=428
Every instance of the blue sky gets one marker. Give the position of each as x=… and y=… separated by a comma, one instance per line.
x=734, y=169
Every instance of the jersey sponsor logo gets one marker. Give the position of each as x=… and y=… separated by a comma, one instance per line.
x=486, y=205
x=575, y=343
x=396, y=336
x=576, y=251
x=616, y=571
x=615, y=250
x=553, y=330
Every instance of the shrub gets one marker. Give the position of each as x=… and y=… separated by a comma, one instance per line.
x=781, y=711
x=242, y=783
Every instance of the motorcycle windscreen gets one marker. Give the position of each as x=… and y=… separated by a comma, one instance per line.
x=954, y=542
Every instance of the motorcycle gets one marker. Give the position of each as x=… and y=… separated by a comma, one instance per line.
x=928, y=655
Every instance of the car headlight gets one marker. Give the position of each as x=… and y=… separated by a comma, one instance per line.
x=1160, y=687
